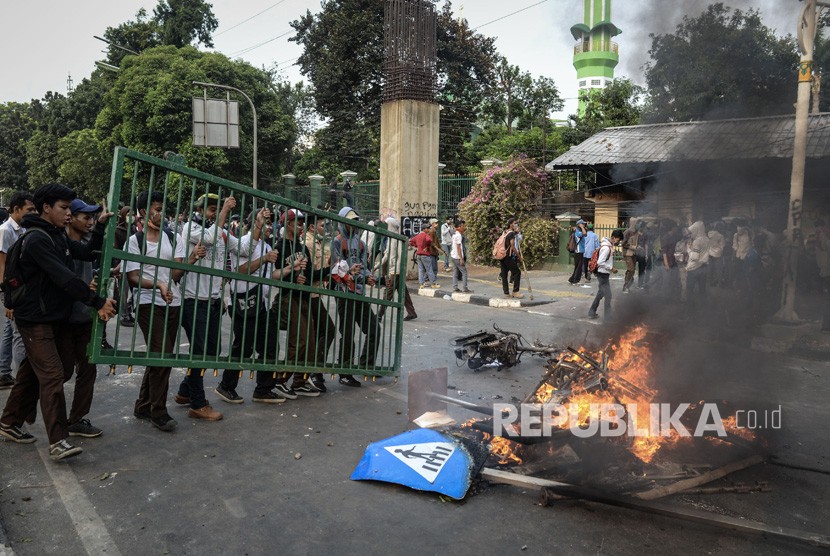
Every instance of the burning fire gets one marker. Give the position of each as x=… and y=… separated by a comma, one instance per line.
x=503, y=449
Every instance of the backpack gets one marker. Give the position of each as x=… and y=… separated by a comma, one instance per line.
x=500, y=249
x=139, y=238
x=572, y=243
x=594, y=262
x=14, y=286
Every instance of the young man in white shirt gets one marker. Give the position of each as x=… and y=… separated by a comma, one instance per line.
x=158, y=305
x=459, y=258
x=447, y=233
x=11, y=344
x=202, y=305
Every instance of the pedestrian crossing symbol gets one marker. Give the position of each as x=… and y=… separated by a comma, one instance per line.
x=426, y=459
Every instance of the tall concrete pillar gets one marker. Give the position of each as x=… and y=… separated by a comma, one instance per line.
x=409, y=158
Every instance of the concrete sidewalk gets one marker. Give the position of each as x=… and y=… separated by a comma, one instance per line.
x=543, y=285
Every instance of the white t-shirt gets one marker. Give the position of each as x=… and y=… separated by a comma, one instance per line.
x=457, y=240
x=158, y=274
x=218, y=243
x=9, y=232
x=245, y=253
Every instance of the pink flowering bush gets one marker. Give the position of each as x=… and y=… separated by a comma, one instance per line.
x=512, y=190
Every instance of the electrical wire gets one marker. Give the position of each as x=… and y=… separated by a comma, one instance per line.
x=250, y=18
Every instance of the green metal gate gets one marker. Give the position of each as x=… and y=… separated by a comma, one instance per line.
x=279, y=322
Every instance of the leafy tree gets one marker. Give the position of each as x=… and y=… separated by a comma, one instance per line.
x=85, y=164
x=618, y=104
x=16, y=128
x=537, y=144
x=343, y=59
x=180, y=22
x=723, y=63
x=148, y=109
x=41, y=159
x=175, y=22
x=508, y=94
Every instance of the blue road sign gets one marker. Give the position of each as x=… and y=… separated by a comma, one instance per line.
x=422, y=459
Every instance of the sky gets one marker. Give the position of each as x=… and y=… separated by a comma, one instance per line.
x=45, y=41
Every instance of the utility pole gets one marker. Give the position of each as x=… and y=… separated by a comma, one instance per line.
x=807, y=22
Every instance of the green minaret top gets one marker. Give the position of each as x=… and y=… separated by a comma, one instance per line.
x=595, y=54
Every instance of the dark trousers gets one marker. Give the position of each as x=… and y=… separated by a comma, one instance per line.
x=351, y=312
x=696, y=282
x=48, y=354
x=511, y=265
x=294, y=316
x=201, y=320
x=391, y=288
x=630, y=267
x=641, y=270
x=326, y=332
x=85, y=372
x=576, y=276
x=249, y=335
x=160, y=330
x=585, y=271
x=604, y=292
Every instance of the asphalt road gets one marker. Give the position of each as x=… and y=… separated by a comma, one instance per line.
x=275, y=479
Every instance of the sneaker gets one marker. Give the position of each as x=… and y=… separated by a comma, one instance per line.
x=593, y=315
x=62, y=450
x=164, y=423
x=435, y=286
x=205, y=413
x=144, y=414
x=456, y=290
x=518, y=295
x=626, y=290
x=84, y=428
x=422, y=286
x=106, y=345
x=308, y=390
x=319, y=382
x=129, y=323
x=267, y=397
x=6, y=381
x=507, y=296
x=410, y=317
x=229, y=396
x=285, y=391
x=16, y=434
x=349, y=380
x=181, y=400
x=467, y=290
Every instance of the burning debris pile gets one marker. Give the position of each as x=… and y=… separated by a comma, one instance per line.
x=601, y=409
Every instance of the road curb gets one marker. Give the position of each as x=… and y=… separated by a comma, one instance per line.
x=474, y=299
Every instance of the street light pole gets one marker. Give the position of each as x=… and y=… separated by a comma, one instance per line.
x=807, y=22
x=253, y=109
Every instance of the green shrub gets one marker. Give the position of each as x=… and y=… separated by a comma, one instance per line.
x=512, y=190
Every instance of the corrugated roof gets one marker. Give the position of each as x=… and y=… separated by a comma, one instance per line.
x=749, y=138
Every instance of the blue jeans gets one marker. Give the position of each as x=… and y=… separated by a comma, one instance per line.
x=458, y=269
x=12, y=350
x=604, y=292
x=201, y=320
x=447, y=250
x=426, y=269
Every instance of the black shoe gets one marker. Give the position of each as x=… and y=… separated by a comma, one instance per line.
x=6, y=381
x=319, y=382
x=106, y=345
x=144, y=414
x=129, y=323
x=267, y=397
x=285, y=391
x=84, y=428
x=410, y=317
x=307, y=390
x=164, y=423
x=229, y=396
x=16, y=434
x=593, y=316
x=62, y=450
x=349, y=380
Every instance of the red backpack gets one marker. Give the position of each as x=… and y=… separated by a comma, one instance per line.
x=594, y=262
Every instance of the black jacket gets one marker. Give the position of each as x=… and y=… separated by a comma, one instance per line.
x=57, y=287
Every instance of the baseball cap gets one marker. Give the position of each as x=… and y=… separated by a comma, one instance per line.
x=291, y=214
x=433, y=221
x=80, y=206
x=352, y=215
x=212, y=199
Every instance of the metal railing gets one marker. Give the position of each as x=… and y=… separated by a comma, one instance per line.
x=596, y=46
x=240, y=307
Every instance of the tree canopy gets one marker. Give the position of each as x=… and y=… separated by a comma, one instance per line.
x=723, y=63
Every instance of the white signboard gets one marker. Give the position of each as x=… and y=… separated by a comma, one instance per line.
x=215, y=123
